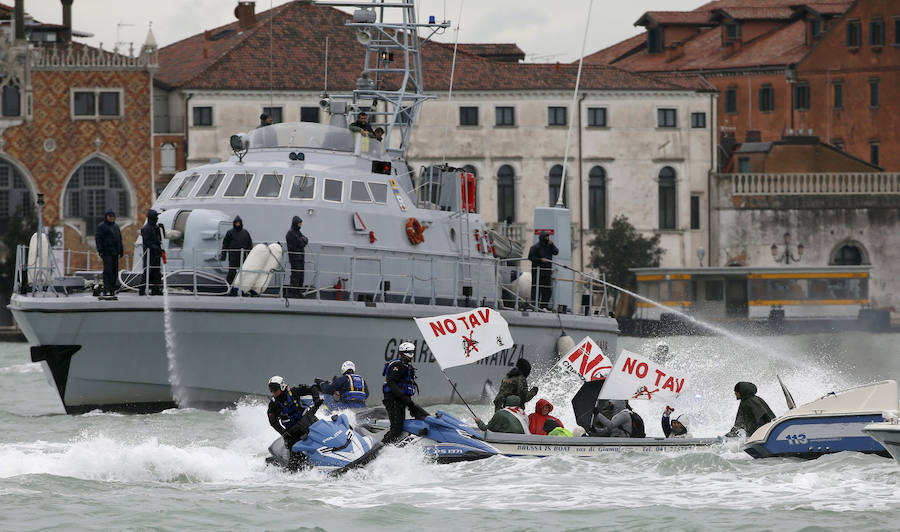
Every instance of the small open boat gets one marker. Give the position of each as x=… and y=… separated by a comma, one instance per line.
x=534, y=445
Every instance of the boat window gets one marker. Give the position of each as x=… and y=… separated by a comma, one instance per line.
x=303, y=187
x=379, y=191
x=269, y=186
x=787, y=289
x=758, y=289
x=186, y=186
x=210, y=185
x=359, y=192
x=649, y=289
x=238, y=186
x=678, y=290
x=334, y=190
x=713, y=290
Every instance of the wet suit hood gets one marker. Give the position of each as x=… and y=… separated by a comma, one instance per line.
x=745, y=389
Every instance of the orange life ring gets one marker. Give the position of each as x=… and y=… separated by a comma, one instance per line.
x=415, y=230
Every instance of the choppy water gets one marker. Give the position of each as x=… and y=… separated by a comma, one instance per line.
x=193, y=469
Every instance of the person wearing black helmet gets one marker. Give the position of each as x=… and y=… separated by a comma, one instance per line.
x=516, y=383
x=399, y=388
x=151, y=237
x=109, y=246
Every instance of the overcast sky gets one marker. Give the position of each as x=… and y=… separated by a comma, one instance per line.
x=547, y=30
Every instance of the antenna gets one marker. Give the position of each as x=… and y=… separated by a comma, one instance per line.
x=119, y=41
x=326, y=64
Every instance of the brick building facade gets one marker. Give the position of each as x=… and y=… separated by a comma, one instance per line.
x=76, y=127
x=783, y=67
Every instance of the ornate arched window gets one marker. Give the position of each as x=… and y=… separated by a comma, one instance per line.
x=95, y=187
x=15, y=197
x=667, y=198
x=506, y=194
x=847, y=255
x=597, y=198
x=555, y=182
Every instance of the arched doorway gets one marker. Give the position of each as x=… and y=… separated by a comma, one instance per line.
x=95, y=187
x=16, y=197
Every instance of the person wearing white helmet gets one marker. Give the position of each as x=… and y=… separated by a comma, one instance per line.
x=399, y=387
x=349, y=390
x=287, y=413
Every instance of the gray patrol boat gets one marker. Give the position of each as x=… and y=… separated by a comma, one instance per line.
x=386, y=244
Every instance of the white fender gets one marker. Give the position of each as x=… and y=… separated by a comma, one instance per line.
x=249, y=273
x=523, y=284
x=273, y=262
x=33, y=272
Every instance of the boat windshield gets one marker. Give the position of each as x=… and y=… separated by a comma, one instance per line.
x=311, y=135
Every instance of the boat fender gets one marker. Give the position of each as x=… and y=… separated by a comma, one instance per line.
x=414, y=231
x=564, y=344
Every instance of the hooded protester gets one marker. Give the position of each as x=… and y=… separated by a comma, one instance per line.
x=509, y=419
x=151, y=237
x=109, y=246
x=516, y=383
x=540, y=416
x=752, y=413
x=236, y=241
x=540, y=255
x=296, y=244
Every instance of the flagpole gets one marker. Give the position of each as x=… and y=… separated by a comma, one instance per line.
x=459, y=394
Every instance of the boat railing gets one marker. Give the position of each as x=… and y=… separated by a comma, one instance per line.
x=590, y=293
x=355, y=276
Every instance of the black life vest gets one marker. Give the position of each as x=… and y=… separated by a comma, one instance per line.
x=291, y=409
x=407, y=382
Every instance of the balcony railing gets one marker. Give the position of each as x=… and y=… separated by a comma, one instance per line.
x=814, y=183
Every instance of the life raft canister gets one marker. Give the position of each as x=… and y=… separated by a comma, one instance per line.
x=415, y=230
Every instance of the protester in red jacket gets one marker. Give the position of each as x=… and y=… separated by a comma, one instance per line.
x=540, y=416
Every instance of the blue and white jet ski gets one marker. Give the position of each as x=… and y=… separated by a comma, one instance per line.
x=830, y=424
x=442, y=437
x=332, y=444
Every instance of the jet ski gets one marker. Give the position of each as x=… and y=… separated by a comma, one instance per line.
x=332, y=445
x=442, y=437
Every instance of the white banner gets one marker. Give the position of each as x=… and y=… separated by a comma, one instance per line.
x=460, y=339
x=637, y=377
x=587, y=360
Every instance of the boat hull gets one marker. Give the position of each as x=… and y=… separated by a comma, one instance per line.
x=888, y=435
x=813, y=436
x=113, y=355
x=540, y=446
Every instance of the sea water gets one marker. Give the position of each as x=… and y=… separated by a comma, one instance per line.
x=204, y=470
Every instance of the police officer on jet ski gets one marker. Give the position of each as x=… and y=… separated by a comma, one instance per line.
x=349, y=390
x=287, y=414
x=399, y=387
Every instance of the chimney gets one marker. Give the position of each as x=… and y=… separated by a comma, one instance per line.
x=246, y=14
x=754, y=135
x=67, y=19
x=20, y=20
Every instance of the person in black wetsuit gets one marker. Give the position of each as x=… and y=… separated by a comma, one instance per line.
x=237, y=242
x=296, y=244
x=540, y=255
x=399, y=387
x=109, y=246
x=287, y=414
x=151, y=237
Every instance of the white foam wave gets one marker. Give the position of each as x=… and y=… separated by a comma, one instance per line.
x=105, y=458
